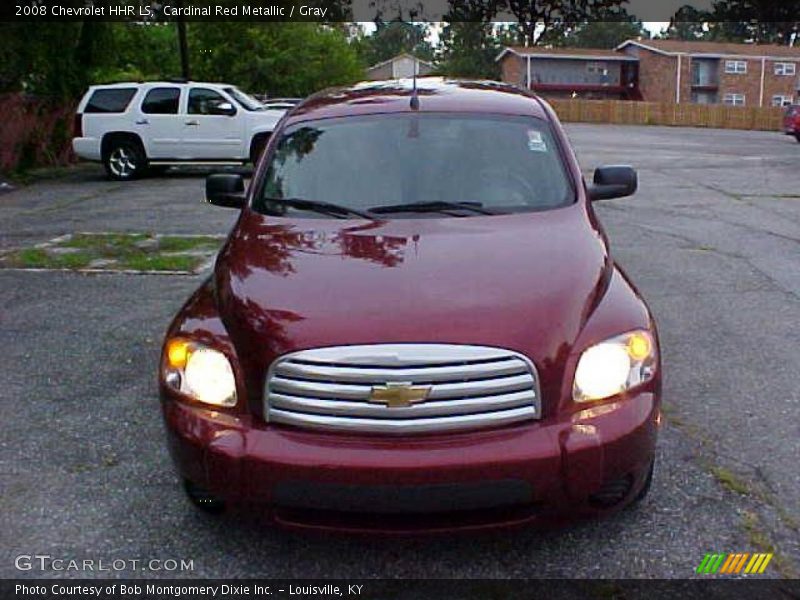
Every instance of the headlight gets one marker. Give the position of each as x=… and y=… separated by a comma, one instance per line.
x=614, y=366
x=200, y=372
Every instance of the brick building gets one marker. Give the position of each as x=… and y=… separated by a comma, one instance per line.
x=661, y=71
x=711, y=72
x=583, y=72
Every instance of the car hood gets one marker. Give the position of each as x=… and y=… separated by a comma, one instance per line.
x=526, y=282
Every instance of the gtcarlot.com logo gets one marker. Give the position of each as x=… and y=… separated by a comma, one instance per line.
x=46, y=562
x=734, y=564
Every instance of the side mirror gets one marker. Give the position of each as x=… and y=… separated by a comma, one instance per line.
x=613, y=182
x=223, y=108
x=225, y=189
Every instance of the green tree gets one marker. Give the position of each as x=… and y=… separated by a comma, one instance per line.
x=742, y=21
x=536, y=18
x=54, y=60
x=142, y=51
x=392, y=38
x=279, y=59
x=469, y=50
x=469, y=43
x=759, y=21
x=602, y=34
x=15, y=55
x=688, y=24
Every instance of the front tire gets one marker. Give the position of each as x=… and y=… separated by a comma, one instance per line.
x=797, y=136
x=124, y=160
x=648, y=483
x=203, y=499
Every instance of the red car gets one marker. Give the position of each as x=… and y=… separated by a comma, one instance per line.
x=415, y=324
x=791, y=121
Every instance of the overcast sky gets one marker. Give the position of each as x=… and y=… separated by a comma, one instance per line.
x=663, y=9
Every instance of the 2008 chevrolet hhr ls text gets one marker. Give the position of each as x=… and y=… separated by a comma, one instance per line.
x=415, y=324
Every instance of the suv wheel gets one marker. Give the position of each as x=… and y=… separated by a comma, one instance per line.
x=797, y=136
x=124, y=160
x=203, y=499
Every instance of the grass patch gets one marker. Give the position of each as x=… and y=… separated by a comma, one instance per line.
x=755, y=534
x=156, y=262
x=759, y=538
x=729, y=480
x=38, y=258
x=174, y=243
x=117, y=251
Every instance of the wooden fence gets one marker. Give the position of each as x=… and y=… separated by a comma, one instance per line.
x=662, y=113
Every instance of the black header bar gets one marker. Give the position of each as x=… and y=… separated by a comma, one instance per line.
x=358, y=10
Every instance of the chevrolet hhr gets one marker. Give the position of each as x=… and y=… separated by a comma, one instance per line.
x=416, y=324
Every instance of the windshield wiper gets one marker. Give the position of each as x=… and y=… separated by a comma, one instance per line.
x=437, y=206
x=327, y=208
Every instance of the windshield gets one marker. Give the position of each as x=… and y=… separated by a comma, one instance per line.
x=506, y=164
x=246, y=101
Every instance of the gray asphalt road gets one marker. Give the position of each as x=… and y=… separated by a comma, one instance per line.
x=711, y=239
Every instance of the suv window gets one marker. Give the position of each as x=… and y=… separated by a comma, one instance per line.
x=246, y=101
x=161, y=101
x=114, y=100
x=508, y=163
x=203, y=101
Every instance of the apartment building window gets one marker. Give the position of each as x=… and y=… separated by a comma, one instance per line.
x=779, y=100
x=783, y=68
x=738, y=67
x=734, y=99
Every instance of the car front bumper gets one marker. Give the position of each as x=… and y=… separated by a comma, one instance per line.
x=544, y=471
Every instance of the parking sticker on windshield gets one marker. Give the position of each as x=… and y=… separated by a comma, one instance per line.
x=535, y=141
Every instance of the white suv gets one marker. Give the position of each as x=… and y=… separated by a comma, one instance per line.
x=133, y=127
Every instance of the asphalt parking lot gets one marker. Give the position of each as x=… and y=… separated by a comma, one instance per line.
x=712, y=239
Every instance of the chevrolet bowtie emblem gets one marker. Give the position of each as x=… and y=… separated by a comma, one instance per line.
x=399, y=395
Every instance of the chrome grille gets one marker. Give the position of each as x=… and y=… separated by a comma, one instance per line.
x=468, y=387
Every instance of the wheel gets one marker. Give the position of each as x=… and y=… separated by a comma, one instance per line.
x=203, y=499
x=648, y=483
x=124, y=160
x=797, y=136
